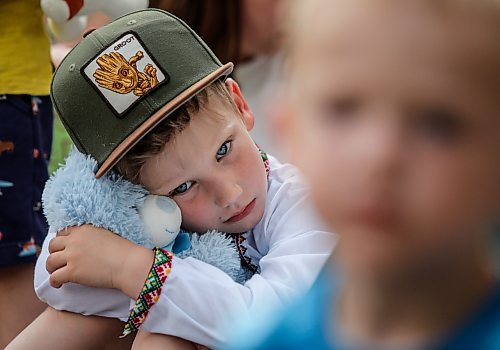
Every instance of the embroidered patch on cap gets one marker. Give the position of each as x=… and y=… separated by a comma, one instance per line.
x=124, y=73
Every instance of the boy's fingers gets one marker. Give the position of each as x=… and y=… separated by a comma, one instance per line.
x=58, y=278
x=55, y=261
x=63, y=232
x=57, y=244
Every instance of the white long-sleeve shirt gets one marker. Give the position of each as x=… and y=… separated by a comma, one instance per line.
x=289, y=246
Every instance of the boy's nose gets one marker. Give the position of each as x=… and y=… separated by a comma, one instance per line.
x=380, y=152
x=227, y=193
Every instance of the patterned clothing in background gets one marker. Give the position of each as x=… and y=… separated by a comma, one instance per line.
x=25, y=143
x=25, y=128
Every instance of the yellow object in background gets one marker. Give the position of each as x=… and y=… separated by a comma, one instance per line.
x=25, y=66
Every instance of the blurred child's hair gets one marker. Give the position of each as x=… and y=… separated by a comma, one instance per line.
x=153, y=143
x=490, y=9
x=301, y=14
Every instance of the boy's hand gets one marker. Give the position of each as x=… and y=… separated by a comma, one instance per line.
x=96, y=257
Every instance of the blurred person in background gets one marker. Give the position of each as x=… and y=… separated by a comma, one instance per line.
x=25, y=145
x=394, y=118
x=248, y=33
x=58, y=50
x=26, y=137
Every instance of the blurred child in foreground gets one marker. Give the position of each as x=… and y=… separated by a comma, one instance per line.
x=395, y=118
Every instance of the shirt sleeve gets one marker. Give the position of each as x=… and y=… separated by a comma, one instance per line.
x=77, y=298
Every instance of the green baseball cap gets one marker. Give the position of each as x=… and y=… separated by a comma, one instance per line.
x=123, y=79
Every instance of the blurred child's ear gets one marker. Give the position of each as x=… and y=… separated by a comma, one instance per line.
x=240, y=103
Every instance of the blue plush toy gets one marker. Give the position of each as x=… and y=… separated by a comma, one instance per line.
x=73, y=196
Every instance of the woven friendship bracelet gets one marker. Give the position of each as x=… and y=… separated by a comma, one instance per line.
x=151, y=290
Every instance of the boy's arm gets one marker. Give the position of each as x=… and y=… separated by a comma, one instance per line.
x=60, y=330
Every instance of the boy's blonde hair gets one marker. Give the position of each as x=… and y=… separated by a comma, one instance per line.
x=153, y=143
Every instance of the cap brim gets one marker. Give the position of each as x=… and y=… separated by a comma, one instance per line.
x=158, y=116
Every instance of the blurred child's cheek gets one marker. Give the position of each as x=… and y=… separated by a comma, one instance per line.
x=310, y=150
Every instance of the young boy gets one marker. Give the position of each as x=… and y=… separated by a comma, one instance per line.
x=145, y=95
x=399, y=104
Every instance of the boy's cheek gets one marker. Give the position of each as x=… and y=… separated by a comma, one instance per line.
x=440, y=191
x=196, y=216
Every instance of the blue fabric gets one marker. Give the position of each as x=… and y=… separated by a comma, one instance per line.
x=300, y=326
x=304, y=325
x=481, y=331
x=25, y=144
x=182, y=242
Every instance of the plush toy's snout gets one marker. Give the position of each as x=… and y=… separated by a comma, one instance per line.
x=162, y=220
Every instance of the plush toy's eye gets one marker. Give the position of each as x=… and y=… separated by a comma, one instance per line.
x=124, y=72
x=117, y=85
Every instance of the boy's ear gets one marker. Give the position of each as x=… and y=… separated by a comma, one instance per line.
x=240, y=103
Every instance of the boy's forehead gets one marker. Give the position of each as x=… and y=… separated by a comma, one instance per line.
x=211, y=123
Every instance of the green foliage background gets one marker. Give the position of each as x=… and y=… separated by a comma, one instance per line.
x=61, y=144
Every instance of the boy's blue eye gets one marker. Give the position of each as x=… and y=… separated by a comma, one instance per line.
x=183, y=188
x=223, y=150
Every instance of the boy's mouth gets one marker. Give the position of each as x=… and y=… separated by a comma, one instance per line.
x=242, y=214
